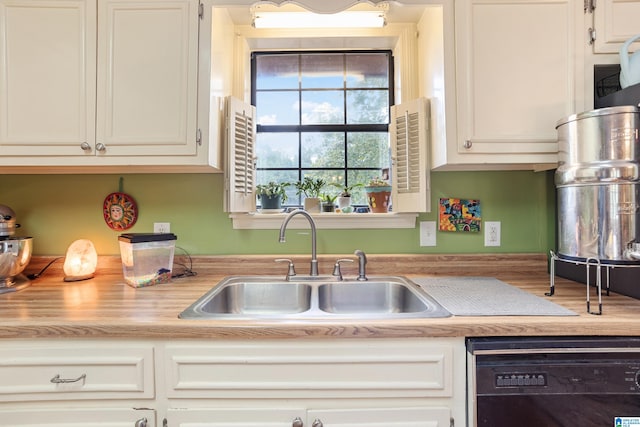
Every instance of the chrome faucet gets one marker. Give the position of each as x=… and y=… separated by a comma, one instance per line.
x=362, y=263
x=283, y=227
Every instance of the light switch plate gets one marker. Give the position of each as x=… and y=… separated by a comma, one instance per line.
x=427, y=233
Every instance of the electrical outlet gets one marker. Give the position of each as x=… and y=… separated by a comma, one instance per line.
x=427, y=233
x=492, y=233
x=162, y=227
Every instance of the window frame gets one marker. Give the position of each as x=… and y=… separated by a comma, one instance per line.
x=344, y=128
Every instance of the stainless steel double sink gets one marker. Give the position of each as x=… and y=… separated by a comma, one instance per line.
x=255, y=297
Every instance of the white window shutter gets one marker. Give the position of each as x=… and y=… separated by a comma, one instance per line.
x=240, y=156
x=409, y=131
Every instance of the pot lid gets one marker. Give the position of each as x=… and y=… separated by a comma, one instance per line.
x=607, y=111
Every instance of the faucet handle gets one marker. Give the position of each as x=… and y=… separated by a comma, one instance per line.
x=336, y=268
x=292, y=269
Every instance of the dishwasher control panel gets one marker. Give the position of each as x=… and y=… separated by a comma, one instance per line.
x=556, y=373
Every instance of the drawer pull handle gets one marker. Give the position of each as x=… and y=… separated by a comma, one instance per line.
x=58, y=380
x=142, y=422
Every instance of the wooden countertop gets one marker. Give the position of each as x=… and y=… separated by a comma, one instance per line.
x=105, y=307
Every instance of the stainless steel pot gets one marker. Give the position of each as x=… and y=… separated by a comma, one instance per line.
x=598, y=184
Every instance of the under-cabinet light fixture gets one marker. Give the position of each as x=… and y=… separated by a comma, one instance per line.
x=346, y=19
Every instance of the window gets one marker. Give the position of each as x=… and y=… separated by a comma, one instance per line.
x=324, y=115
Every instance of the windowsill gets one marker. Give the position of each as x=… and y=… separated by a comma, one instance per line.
x=259, y=221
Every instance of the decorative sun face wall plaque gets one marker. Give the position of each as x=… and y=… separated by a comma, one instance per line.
x=459, y=215
x=120, y=211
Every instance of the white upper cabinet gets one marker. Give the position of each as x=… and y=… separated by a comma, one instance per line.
x=514, y=79
x=147, y=77
x=47, y=77
x=94, y=84
x=612, y=22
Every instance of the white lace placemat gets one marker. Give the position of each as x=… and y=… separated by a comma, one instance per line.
x=487, y=296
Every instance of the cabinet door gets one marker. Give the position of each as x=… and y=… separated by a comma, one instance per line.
x=238, y=417
x=375, y=416
x=90, y=417
x=147, y=77
x=273, y=417
x=47, y=77
x=515, y=78
x=615, y=21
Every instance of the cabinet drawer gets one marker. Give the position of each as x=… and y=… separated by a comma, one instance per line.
x=344, y=368
x=89, y=417
x=55, y=371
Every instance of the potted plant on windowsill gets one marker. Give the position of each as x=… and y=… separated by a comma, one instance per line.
x=378, y=195
x=328, y=202
x=344, y=198
x=311, y=188
x=272, y=195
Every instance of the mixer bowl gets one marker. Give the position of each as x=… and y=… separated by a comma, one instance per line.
x=15, y=254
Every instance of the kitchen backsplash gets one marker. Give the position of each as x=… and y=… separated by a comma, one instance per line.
x=58, y=209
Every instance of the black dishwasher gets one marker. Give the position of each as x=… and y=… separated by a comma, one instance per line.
x=554, y=382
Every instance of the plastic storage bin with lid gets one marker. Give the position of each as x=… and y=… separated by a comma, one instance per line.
x=147, y=258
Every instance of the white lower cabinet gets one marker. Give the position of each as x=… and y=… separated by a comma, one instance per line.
x=76, y=383
x=73, y=417
x=233, y=383
x=326, y=383
x=300, y=417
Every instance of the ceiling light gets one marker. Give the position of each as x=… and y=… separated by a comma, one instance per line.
x=347, y=19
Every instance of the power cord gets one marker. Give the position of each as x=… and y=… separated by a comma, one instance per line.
x=188, y=270
x=36, y=275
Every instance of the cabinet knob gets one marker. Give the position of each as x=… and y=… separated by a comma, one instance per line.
x=297, y=422
x=317, y=423
x=101, y=147
x=467, y=144
x=142, y=422
x=85, y=146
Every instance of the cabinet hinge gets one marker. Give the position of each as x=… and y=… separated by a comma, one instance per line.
x=199, y=137
x=591, y=33
x=201, y=10
x=165, y=423
x=452, y=422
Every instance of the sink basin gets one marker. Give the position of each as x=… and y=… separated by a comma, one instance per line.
x=373, y=298
x=254, y=297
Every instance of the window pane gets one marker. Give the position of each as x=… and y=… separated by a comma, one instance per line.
x=368, y=150
x=367, y=106
x=277, y=108
x=358, y=196
x=276, y=72
x=322, y=71
x=277, y=150
x=323, y=150
x=322, y=107
x=367, y=70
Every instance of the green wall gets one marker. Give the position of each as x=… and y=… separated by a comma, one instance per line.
x=57, y=209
